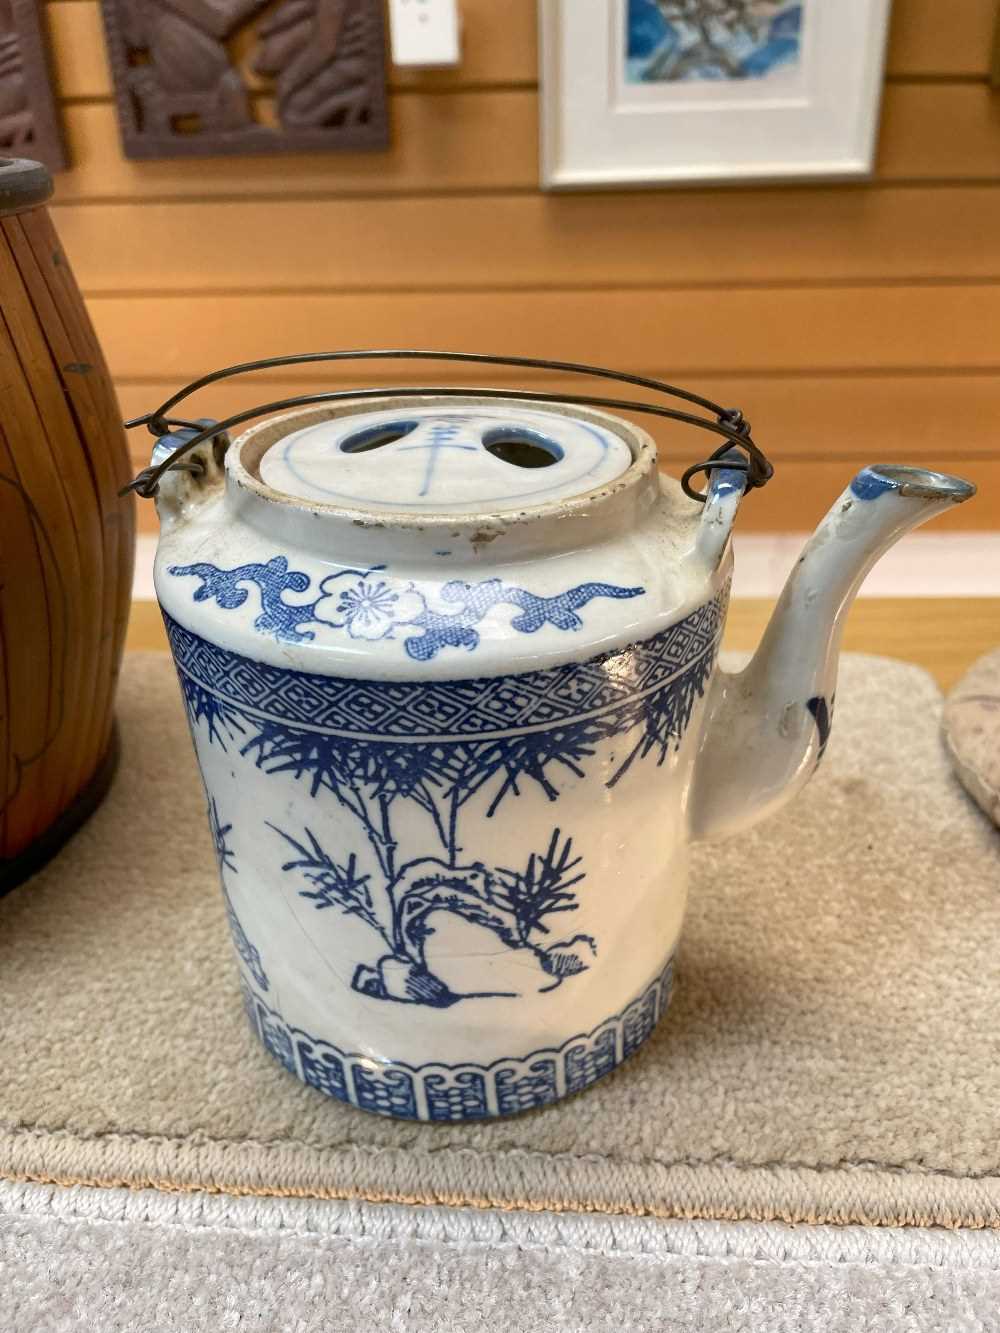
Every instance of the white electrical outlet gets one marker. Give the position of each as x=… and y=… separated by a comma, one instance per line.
x=424, y=32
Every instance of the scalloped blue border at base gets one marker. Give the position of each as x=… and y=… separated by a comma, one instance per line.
x=465, y=1091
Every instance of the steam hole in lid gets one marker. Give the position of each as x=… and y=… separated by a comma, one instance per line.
x=522, y=448
x=374, y=437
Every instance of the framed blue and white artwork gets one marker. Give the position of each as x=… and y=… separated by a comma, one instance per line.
x=659, y=92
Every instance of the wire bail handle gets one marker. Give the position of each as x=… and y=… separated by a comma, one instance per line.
x=726, y=422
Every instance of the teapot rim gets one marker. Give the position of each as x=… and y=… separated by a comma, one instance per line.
x=617, y=498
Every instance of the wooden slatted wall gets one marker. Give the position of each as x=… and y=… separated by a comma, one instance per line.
x=852, y=323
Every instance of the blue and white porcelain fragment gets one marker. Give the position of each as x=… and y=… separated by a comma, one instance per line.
x=450, y=671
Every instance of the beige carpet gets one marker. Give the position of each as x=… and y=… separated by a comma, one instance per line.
x=832, y=1053
x=972, y=732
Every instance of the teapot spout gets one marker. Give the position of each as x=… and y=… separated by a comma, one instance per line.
x=767, y=726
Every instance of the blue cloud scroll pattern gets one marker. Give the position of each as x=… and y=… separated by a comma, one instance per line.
x=444, y=924
x=370, y=604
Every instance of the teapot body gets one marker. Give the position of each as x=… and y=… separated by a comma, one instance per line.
x=448, y=762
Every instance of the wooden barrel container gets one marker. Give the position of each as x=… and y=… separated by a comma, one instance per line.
x=66, y=539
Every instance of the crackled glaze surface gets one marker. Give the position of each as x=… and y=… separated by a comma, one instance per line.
x=454, y=757
x=406, y=724
x=391, y=848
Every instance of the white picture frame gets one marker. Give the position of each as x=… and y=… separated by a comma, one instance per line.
x=612, y=117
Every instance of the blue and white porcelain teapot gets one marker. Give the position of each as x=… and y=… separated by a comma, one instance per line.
x=449, y=662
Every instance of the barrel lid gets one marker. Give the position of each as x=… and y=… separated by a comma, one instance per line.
x=445, y=460
x=24, y=184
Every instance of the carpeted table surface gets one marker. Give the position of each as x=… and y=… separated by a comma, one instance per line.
x=832, y=1054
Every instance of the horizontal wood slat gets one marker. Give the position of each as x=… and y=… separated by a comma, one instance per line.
x=954, y=40
x=488, y=141
x=925, y=419
x=941, y=132
x=694, y=331
x=453, y=141
x=499, y=45
x=800, y=494
x=565, y=241
x=863, y=322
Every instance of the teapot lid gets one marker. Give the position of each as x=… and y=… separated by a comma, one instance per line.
x=436, y=458
x=433, y=476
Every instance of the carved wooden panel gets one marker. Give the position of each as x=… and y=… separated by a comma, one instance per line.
x=179, y=69
x=29, y=126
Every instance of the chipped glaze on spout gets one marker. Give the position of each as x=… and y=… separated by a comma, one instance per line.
x=767, y=727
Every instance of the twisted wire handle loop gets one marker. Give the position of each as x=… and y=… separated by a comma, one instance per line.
x=729, y=423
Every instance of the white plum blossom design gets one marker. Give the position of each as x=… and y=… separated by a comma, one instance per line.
x=369, y=608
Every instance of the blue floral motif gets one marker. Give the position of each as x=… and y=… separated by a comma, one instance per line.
x=371, y=607
x=367, y=606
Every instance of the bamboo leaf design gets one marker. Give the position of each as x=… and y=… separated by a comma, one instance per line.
x=222, y=721
x=402, y=886
x=334, y=885
x=543, y=887
x=220, y=837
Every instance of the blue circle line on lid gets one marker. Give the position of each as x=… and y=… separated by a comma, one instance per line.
x=479, y=500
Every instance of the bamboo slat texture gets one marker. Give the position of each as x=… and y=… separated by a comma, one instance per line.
x=66, y=541
x=852, y=322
